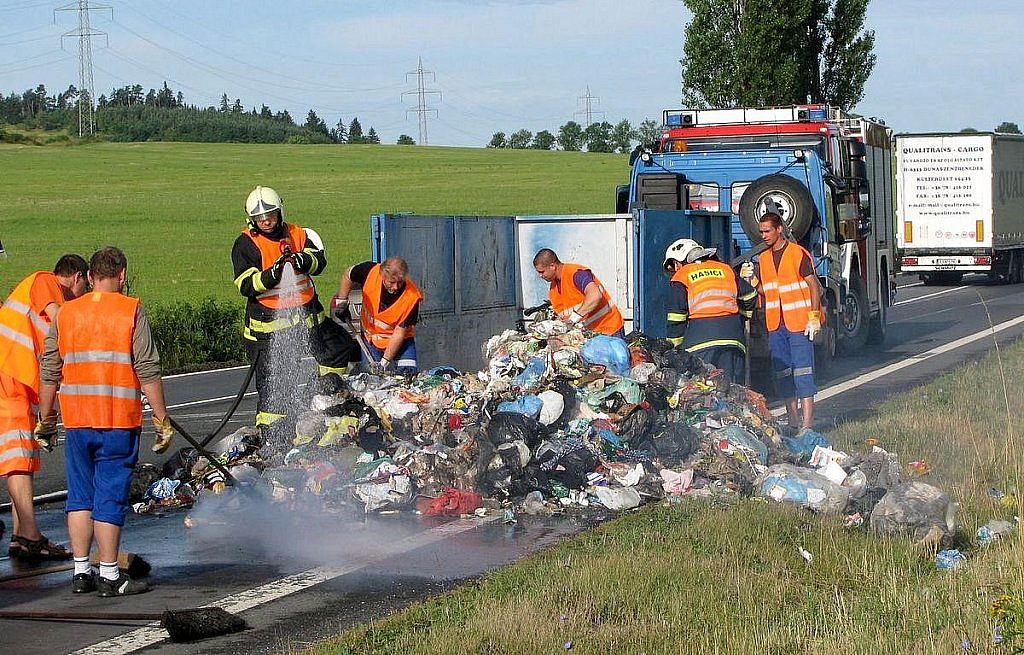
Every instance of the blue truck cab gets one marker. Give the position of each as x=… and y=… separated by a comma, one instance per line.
x=827, y=174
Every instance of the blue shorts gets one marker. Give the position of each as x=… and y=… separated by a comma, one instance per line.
x=405, y=360
x=793, y=363
x=100, y=465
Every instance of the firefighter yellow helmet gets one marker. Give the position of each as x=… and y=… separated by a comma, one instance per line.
x=263, y=200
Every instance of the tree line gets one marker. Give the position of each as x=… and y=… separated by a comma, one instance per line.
x=131, y=114
x=596, y=137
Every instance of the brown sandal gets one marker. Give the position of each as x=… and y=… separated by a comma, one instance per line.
x=39, y=549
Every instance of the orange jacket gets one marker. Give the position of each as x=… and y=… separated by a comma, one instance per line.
x=270, y=250
x=710, y=289
x=99, y=388
x=23, y=326
x=379, y=325
x=605, y=318
x=787, y=297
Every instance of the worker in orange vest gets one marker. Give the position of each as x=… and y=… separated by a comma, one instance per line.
x=577, y=296
x=286, y=320
x=391, y=305
x=100, y=351
x=708, y=306
x=792, y=311
x=25, y=319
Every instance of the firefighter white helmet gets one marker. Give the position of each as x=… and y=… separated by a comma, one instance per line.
x=687, y=251
x=263, y=200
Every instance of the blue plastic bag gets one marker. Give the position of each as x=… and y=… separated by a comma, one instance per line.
x=528, y=405
x=804, y=445
x=610, y=352
x=530, y=376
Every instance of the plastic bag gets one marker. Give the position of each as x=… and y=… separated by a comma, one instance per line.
x=532, y=374
x=527, y=405
x=610, y=352
x=553, y=404
x=804, y=487
x=617, y=498
x=742, y=439
x=505, y=427
x=917, y=509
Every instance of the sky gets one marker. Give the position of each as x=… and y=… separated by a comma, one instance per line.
x=490, y=65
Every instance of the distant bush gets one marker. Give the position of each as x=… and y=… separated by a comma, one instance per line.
x=192, y=336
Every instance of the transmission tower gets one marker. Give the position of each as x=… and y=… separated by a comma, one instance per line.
x=86, y=92
x=421, y=99
x=588, y=110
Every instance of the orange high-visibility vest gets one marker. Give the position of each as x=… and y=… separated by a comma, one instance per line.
x=270, y=250
x=379, y=325
x=710, y=289
x=99, y=387
x=23, y=327
x=605, y=318
x=787, y=297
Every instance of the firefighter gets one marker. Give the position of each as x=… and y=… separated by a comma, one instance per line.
x=274, y=264
x=708, y=306
x=577, y=295
x=792, y=312
x=25, y=318
x=391, y=303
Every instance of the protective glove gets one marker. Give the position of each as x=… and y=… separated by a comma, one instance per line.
x=272, y=276
x=813, y=324
x=575, y=317
x=302, y=261
x=164, y=432
x=747, y=273
x=339, y=307
x=379, y=368
x=45, y=432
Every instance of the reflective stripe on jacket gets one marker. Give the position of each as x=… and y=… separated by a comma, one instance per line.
x=99, y=388
x=710, y=289
x=605, y=318
x=787, y=297
x=379, y=325
x=270, y=251
x=23, y=328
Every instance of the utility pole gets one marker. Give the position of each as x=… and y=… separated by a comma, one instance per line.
x=588, y=111
x=421, y=99
x=86, y=91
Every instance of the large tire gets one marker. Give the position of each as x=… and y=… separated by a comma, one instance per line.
x=790, y=196
x=825, y=349
x=853, y=324
x=879, y=327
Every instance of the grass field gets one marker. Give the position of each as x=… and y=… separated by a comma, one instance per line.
x=176, y=208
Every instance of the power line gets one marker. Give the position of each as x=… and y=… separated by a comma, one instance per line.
x=588, y=110
x=421, y=99
x=86, y=92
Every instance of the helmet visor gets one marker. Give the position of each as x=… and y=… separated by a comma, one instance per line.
x=266, y=221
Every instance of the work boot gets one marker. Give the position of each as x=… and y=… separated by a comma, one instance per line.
x=83, y=583
x=123, y=586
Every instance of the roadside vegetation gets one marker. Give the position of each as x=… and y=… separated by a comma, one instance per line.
x=699, y=578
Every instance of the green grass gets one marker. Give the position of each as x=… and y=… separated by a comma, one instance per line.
x=176, y=208
x=693, y=578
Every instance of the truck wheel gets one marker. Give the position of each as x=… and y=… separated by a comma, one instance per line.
x=853, y=324
x=825, y=348
x=878, y=328
x=789, y=195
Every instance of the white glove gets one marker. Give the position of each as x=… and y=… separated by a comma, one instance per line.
x=813, y=324
x=575, y=317
x=747, y=273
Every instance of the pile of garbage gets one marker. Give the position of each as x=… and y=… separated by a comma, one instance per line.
x=560, y=419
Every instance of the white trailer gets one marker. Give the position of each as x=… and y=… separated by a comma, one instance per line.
x=960, y=201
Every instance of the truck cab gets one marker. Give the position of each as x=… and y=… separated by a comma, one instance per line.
x=828, y=175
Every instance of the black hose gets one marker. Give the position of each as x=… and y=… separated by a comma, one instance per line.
x=238, y=399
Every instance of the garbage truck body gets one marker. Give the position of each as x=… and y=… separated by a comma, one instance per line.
x=961, y=205
x=827, y=174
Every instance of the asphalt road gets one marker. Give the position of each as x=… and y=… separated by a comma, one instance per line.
x=297, y=579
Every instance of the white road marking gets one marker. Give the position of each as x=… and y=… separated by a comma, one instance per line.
x=907, y=286
x=136, y=640
x=842, y=387
x=925, y=297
